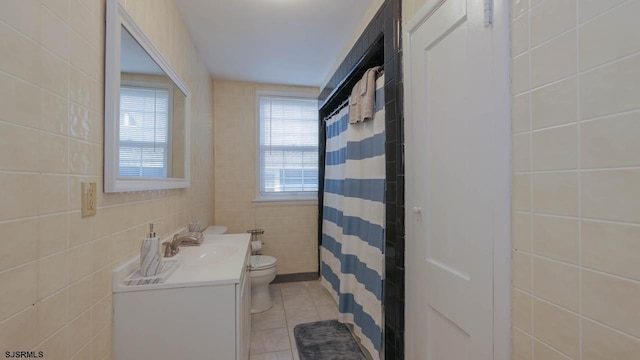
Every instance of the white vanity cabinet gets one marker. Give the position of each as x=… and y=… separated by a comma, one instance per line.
x=185, y=320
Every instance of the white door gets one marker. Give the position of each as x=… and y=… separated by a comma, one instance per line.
x=457, y=172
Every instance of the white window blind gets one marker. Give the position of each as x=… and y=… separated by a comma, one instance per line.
x=144, y=131
x=288, y=147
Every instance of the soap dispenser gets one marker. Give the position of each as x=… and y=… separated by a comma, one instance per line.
x=150, y=254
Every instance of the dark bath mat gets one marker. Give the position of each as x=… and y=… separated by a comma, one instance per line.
x=326, y=340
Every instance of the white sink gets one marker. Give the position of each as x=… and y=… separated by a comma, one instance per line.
x=219, y=260
x=207, y=254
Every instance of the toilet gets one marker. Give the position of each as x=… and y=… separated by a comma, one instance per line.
x=262, y=270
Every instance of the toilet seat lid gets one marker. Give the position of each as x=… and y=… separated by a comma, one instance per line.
x=258, y=262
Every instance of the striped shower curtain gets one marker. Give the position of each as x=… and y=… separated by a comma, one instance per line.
x=352, y=253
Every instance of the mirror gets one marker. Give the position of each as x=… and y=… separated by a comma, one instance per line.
x=146, y=112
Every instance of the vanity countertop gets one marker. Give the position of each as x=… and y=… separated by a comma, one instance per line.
x=219, y=260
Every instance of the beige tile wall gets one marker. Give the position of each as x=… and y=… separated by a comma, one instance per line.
x=290, y=231
x=575, y=199
x=55, y=266
x=576, y=219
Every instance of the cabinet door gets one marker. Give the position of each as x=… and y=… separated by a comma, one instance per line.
x=244, y=316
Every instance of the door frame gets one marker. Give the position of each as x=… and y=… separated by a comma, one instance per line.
x=502, y=217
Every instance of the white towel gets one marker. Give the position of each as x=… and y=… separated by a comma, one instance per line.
x=368, y=94
x=363, y=95
x=354, y=104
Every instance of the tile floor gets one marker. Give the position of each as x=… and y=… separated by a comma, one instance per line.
x=293, y=303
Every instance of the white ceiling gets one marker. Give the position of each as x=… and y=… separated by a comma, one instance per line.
x=293, y=42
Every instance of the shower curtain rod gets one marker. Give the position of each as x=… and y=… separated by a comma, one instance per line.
x=337, y=109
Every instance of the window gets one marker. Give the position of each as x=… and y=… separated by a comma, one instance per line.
x=144, y=129
x=288, y=147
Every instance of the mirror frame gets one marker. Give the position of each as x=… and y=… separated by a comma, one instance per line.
x=117, y=18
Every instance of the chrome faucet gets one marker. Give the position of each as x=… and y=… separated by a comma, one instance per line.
x=173, y=247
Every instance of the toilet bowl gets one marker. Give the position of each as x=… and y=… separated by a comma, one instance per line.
x=262, y=270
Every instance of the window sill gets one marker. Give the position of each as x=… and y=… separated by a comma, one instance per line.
x=285, y=201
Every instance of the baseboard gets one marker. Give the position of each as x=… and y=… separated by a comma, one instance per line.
x=286, y=278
